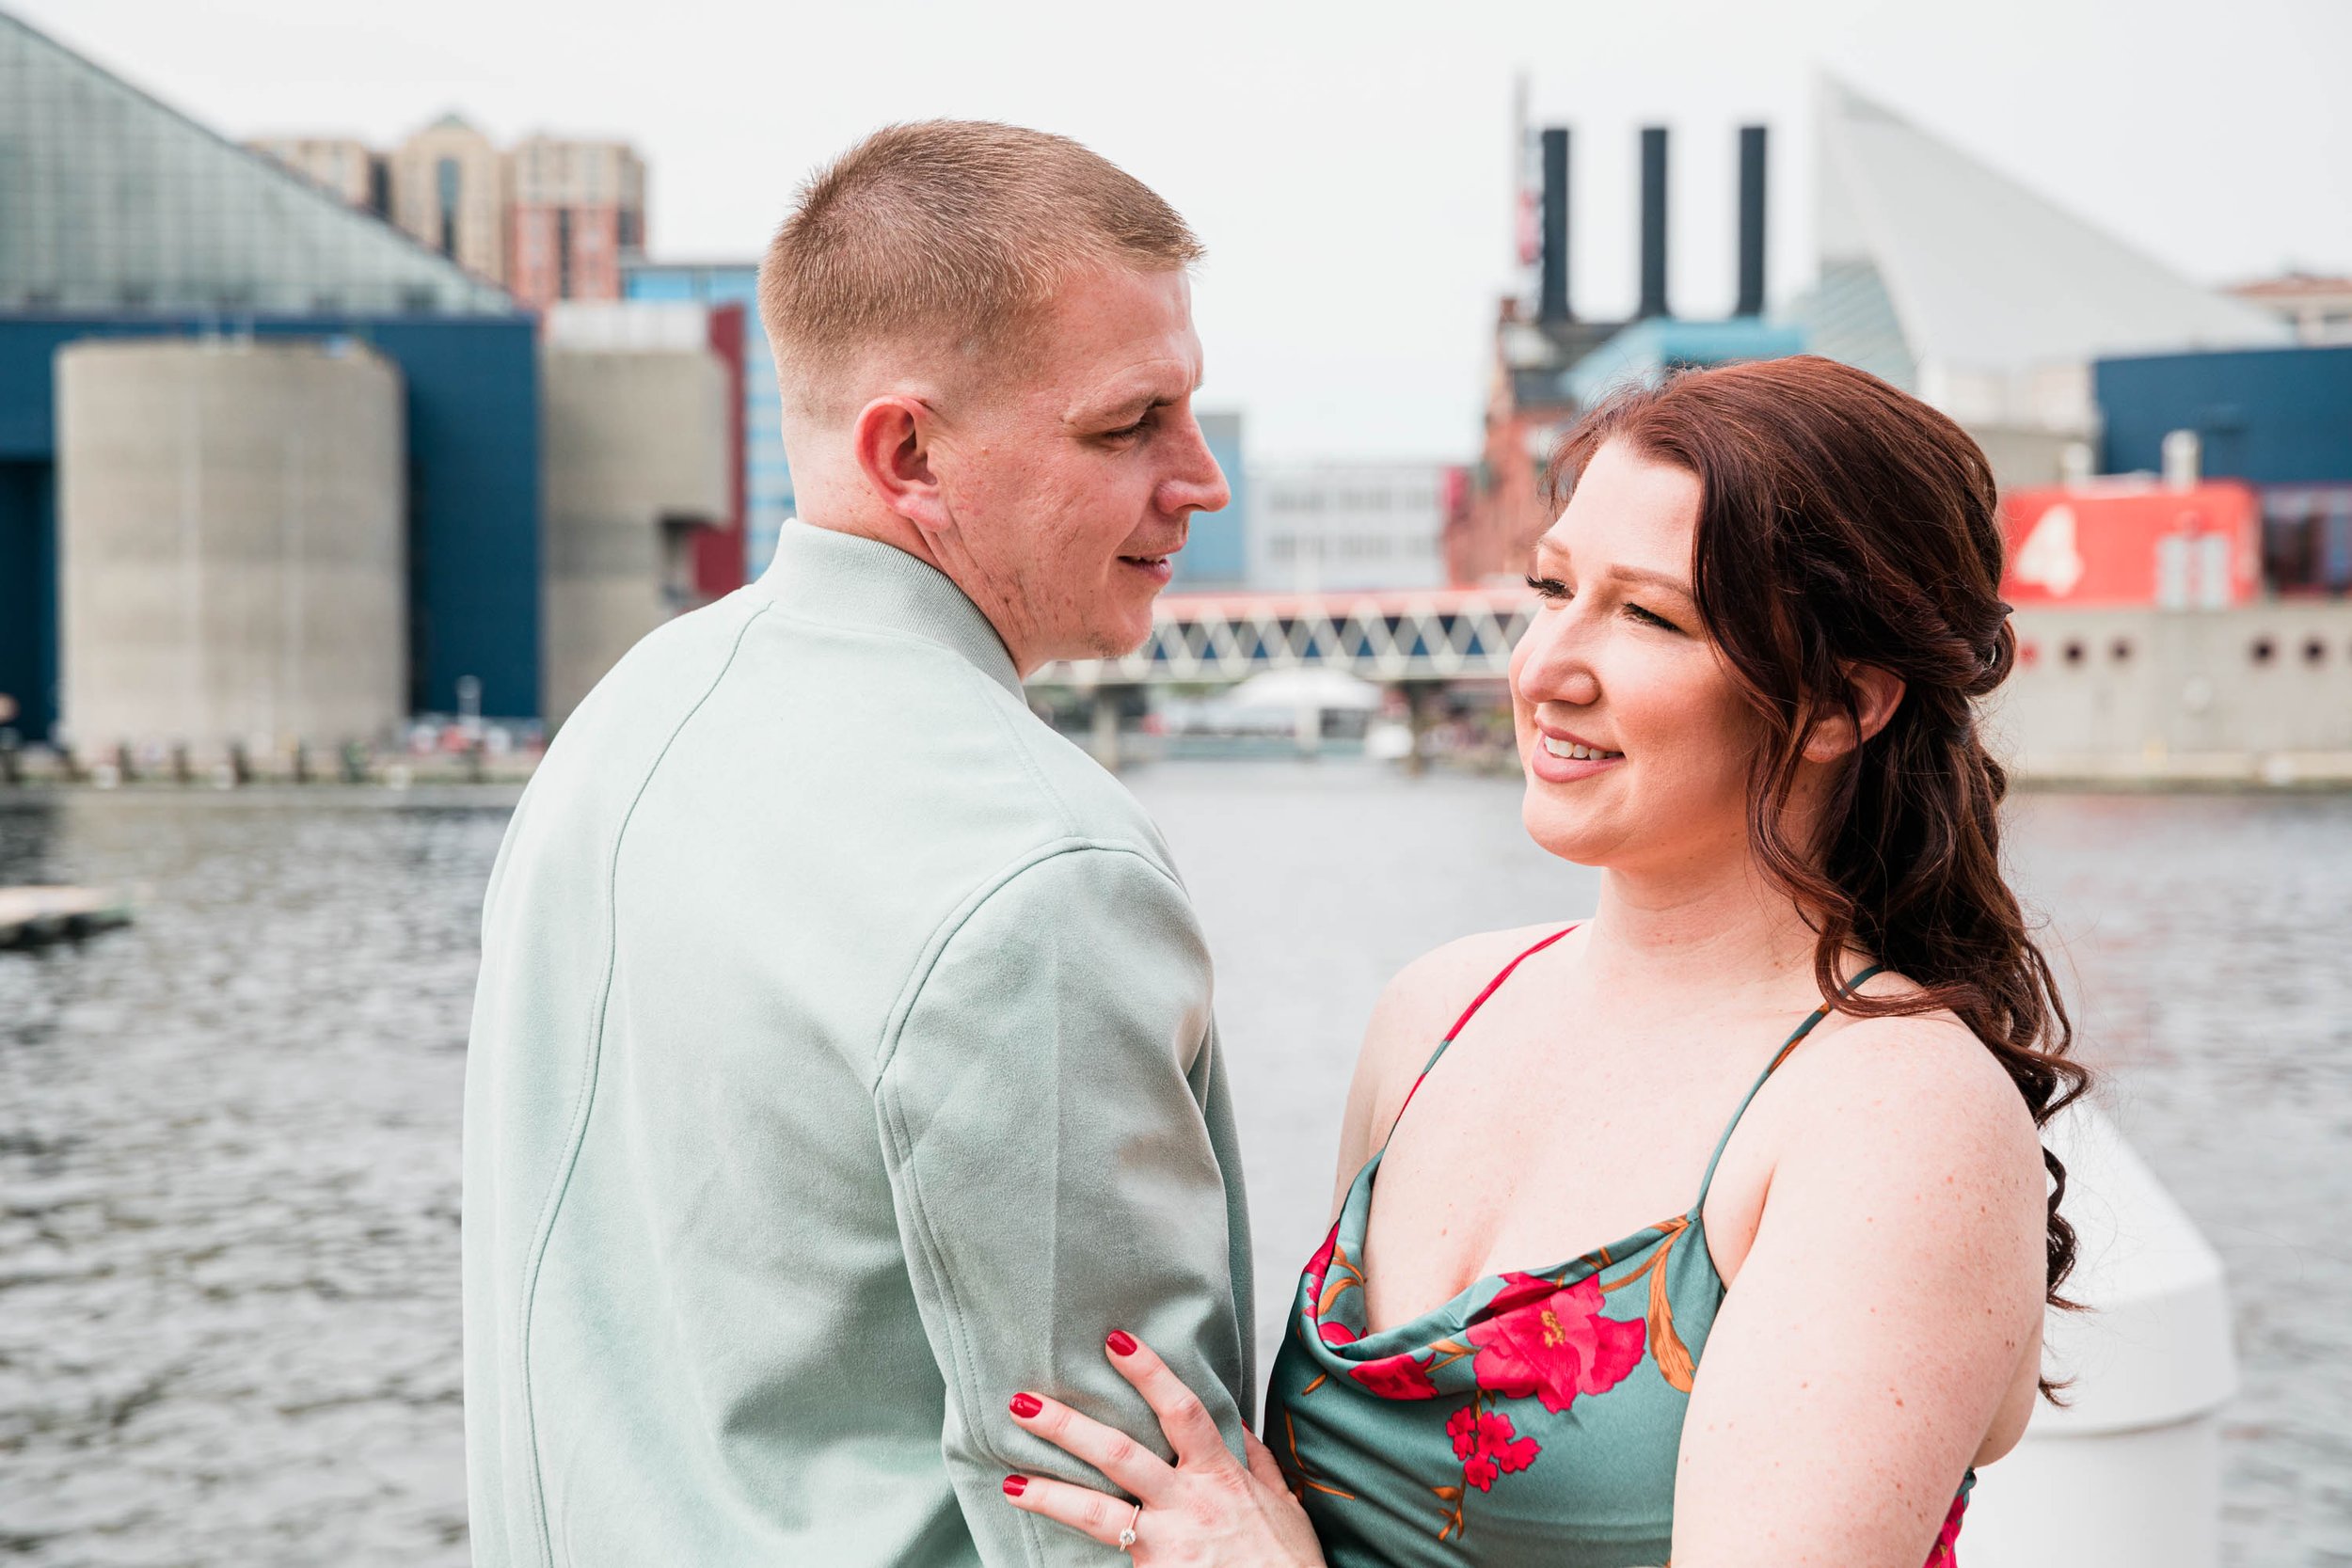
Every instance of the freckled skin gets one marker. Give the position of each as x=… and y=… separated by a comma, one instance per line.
x=1039, y=485
x=1877, y=1360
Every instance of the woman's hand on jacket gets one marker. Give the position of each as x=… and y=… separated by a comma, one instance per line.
x=1205, y=1510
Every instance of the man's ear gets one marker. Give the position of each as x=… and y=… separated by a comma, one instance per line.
x=1876, y=695
x=893, y=438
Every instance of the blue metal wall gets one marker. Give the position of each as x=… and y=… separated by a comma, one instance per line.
x=2279, y=416
x=1217, y=552
x=28, y=594
x=472, y=411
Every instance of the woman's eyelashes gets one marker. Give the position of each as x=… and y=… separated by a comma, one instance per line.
x=1557, y=592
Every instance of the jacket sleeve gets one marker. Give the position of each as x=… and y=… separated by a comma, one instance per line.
x=1044, y=1111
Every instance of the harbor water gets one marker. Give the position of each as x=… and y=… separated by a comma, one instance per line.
x=229, y=1164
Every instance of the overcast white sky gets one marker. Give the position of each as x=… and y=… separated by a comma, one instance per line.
x=1346, y=164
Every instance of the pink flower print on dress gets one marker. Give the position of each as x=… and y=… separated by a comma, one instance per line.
x=1395, y=1377
x=1551, y=1342
x=1946, y=1554
x=1488, y=1445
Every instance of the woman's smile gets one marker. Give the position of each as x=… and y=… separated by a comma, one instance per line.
x=1560, y=757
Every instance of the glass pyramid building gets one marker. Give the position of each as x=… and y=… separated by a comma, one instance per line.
x=110, y=201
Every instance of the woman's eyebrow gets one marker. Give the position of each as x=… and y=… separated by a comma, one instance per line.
x=1658, y=580
x=1558, y=554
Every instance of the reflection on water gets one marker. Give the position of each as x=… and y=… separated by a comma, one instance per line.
x=228, y=1134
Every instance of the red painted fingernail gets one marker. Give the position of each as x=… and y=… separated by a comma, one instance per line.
x=1122, y=1342
x=1015, y=1485
x=1026, y=1405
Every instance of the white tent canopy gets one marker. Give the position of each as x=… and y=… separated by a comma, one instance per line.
x=1325, y=691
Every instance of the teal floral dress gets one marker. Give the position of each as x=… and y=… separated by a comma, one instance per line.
x=1535, y=1419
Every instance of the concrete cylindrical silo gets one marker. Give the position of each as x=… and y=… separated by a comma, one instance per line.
x=637, y=458
x=230, y=519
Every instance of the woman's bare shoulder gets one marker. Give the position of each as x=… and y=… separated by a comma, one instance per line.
x=1421, y=1001
x=1419, y=1005
x=1912, y=1097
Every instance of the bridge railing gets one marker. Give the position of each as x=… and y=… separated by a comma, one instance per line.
x=1419, y=634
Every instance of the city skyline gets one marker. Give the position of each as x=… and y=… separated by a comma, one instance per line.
x=1347, y=299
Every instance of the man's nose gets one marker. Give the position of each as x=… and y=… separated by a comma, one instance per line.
x=1196, y=484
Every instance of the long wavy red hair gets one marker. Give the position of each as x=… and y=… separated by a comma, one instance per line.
x=1844, y=522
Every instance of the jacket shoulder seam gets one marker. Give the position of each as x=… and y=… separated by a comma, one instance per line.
x=584, y=1103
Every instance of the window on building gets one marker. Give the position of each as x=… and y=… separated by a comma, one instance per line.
x=563, y=253
x=445, y=184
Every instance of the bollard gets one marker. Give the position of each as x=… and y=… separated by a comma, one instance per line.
x=355, y=763
x=11, y=759
x=301, y=761
x=478, y=762
x=240, y=765
x=180, y=771
x=125, y=772
x=2129, y=1469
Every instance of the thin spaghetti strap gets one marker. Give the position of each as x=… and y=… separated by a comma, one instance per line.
x=1757, y=1088
x=1493, y=986
x=1468, y=1013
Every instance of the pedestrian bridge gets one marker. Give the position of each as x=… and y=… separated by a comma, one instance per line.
x=1395, y=636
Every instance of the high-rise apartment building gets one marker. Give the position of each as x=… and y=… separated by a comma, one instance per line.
x=1320, y=527
x=449, y=190
x=577, y=207
x=343, y=166
x=551, y=219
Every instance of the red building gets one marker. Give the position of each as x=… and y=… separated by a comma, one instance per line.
x=2133, y=543
x=577, y=209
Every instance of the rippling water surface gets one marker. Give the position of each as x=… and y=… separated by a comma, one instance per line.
x=228, y=1134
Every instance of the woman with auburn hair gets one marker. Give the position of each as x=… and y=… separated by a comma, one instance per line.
x=1776, y=1102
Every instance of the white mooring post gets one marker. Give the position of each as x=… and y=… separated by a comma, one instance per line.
x=2129, y=1471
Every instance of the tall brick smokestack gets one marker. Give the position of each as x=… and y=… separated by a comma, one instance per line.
x=1654, y=222
x=1750, y=222
x=1553, y=302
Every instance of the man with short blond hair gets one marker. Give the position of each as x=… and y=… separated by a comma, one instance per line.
x=842, y=1062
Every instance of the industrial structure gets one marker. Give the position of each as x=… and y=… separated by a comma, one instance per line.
x=230, y=521
x=644, y=497
x=1550, y=365
x=2182, y=618
x=767, y=477
x=1938, y=273
x=273, y=467
x=223, y=243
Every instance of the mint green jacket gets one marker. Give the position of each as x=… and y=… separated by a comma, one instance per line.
x=842, y=1064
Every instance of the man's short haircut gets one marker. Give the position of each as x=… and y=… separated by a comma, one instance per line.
x=949, y=230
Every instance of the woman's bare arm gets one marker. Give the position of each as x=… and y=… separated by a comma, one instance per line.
x=1885, y=1313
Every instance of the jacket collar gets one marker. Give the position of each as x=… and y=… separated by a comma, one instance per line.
x=821, y=573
